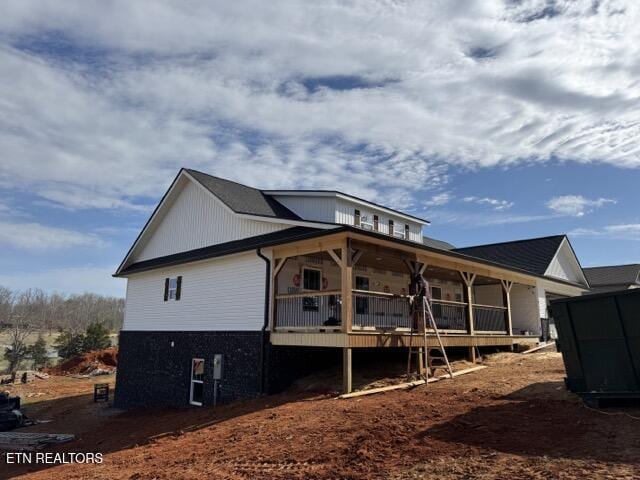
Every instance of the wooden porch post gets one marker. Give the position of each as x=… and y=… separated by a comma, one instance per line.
x=347, y=377
x=468, y=279
x=506, y=295
x=277, y=265
x=347, y=287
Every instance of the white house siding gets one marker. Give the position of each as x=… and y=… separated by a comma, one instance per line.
x=218, y=294
x=564, y=265
x=345, y=213
x=196, y=219
x=525, y=313
x=318, y=208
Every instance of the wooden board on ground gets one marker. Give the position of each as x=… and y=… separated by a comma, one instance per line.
x=23, y=441
x=540, y=347
x=406, y=385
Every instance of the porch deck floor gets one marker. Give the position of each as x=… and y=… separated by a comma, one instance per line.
x=369, y=339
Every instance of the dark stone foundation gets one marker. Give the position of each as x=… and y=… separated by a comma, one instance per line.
x=153, y=373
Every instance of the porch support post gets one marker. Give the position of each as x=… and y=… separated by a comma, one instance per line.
x=347, y=378
x=506, y=295
x=277, y=267
x=468, y=278
x=346, y=268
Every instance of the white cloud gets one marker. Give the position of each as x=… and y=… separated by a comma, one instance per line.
x=576, y=205
x=623, y=231
x=495, y=203
x=439, y=199
x=376, y=98
x=69, y=280
x=37, y=237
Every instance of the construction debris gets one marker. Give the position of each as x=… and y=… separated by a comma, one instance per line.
x=10, y=415
x=98, y=362
x=23, y=441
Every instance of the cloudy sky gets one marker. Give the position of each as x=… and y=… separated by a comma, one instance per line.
x=494, y=119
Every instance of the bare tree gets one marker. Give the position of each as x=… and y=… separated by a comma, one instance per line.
x=21, y=322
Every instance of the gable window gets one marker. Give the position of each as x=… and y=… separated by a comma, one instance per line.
x=172, y=288
x=376, y=222
x=406, y=232
x=391, y=227
x=356, y=218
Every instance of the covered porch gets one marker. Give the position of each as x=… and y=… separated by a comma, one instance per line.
x=351, y=291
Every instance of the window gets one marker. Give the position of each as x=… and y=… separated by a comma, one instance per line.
x=376, y=222
x=362, y=302
x=172, y=288
x=356, y=218
x=196, y=395
x=391, y=227
x=311, y=280
x=406, y=232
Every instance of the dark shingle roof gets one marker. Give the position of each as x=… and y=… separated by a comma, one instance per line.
x=533, y=255
x=243, y=199
x=220, y=249
x=612, y=274
x=440, y=244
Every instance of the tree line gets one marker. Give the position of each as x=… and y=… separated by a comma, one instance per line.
x=53, y=312
x=83, y=323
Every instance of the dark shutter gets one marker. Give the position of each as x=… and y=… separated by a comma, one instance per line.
x=166, y=289
x=178, y=287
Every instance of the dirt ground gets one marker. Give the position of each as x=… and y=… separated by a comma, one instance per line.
x=512, y=420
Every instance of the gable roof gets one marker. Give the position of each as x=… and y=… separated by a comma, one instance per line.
x=613, y=275
x=243, y=199
x=533, y=255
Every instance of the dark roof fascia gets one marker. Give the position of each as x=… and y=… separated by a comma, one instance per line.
x=337, y=192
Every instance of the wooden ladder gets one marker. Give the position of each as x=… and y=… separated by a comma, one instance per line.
x=426, y=361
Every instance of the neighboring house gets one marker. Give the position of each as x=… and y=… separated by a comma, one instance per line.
x=613, y=277
x=234, y=291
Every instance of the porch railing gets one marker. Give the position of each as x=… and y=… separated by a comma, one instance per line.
x=450, y=315
x=379, y=310
x=308, y=310
x=488, y=318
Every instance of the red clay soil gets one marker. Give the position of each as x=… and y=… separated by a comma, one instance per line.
x=106, y=359
x=513, y=420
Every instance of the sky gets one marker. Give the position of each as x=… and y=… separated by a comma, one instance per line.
x=496, y=120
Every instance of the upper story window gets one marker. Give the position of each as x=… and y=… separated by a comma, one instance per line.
x=376, y=222
x=172, y=288
x=356, y=218
x=391, y=227
x=406, y=232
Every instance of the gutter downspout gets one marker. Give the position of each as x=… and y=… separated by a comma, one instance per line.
x=265, y=325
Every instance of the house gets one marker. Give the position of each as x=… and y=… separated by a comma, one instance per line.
x=234, y=291
x=613, y=277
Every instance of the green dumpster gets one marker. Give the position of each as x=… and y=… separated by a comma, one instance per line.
x=599, y=337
